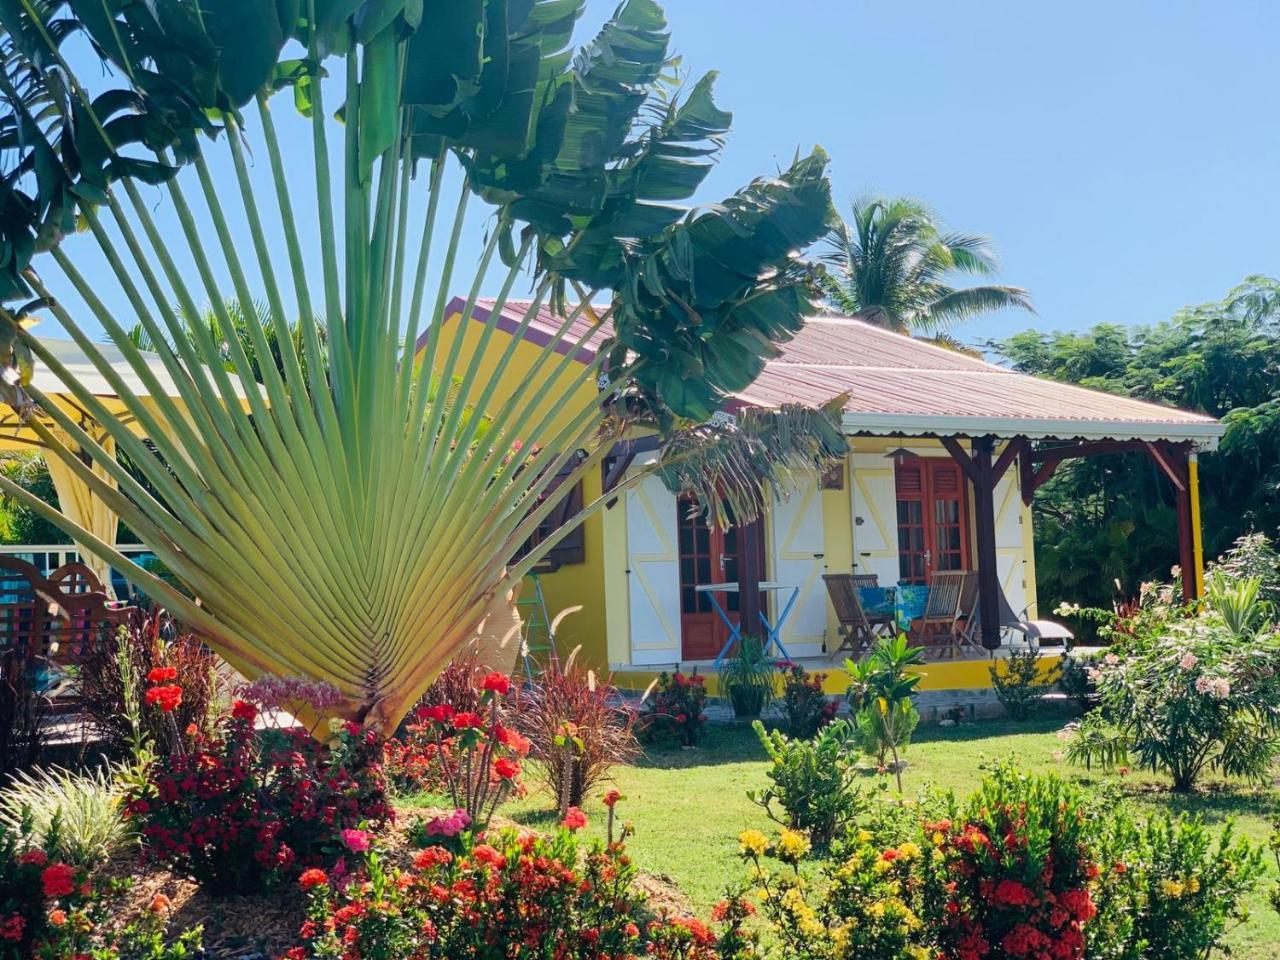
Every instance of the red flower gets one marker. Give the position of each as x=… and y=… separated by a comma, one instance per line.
x=1011, y=893
x=312, y=878
x=496, y=683
x=244, y=711
x=34, y=857
x=167, y=698
x=574, y=819
x=889, y=855
x=483, y=853
x=465, y=719
x=506, y=769
x=12, y=928
x=162, y=674
x=612, y=797
x=631, y=930
x=437, y=713
x=432, y=857
x=58, y=880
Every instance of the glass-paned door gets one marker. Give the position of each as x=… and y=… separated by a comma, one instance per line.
x=933, y=521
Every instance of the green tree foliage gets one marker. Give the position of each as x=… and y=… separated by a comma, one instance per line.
x=891, y=262
x=1221, y=358
x=18, y=522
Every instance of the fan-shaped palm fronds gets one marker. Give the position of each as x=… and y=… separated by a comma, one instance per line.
x=889, y=265
x=335, y=511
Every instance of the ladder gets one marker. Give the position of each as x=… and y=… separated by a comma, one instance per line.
x=536, y=637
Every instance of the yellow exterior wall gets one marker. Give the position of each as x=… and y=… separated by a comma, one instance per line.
x=942, y=675
x=837, y=531
x=553, y=391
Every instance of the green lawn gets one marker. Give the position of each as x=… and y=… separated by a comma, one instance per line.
x=688, y=806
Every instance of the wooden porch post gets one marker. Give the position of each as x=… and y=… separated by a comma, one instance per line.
x=984, y=475
x=984, y=516
x=1175, y=461
x=1186, y=545
x=750, y=573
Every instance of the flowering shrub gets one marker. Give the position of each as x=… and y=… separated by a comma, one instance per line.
x=1168, y=889
x=805, y=706
x=675, y=710
x=862, y=909
x=118, y=675
x=499, y=895
x=811, y=781
x=1196, y=697
x=32, y=884
x=1012, y=871
x=238, y=810
x=577, y=730
x=282, y=700
x=473, y=757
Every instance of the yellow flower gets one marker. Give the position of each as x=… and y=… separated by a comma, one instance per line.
x=336, y=724
x=918, y=953
x=864, y=836
x=1172, y=888
x=908, y=851
x=762, y=893
x=792, y=845
x=752, y=843
x=939, y=838
x=882, y=866
x=1193, y=884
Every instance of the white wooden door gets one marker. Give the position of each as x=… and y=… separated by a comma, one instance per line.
x=875, y=516
x=653, y=568
x=1011, y=560
x=799, y=544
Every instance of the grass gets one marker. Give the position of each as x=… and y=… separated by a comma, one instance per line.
x=688, y=806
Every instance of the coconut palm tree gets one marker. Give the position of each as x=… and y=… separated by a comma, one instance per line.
x=335, y=515
x=889, y=264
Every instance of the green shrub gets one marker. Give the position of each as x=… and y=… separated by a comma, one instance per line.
x=811, y=781
x=806, y=708
x=880, y=689
x=1168, y=889
x=1253, y=556
x=1020, y=684
x=675, y=710
x=87, y=807
x=747, y=678
x=1075, y=677
x=1196, y=697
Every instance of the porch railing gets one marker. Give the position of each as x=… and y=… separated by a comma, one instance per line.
x=47, y=557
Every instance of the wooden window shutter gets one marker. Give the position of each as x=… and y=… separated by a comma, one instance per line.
x=573, y=548
x=910, y=480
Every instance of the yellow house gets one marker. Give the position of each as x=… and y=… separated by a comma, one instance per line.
x=946, y=454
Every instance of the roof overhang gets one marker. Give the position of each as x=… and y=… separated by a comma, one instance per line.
x=1203, y=435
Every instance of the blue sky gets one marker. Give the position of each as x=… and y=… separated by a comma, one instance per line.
x=1122, y=156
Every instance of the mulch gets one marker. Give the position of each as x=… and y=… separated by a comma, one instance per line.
x=254, y=927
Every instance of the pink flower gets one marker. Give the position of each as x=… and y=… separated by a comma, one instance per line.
x=357, y=841
x=449, y=826
x=612, y=797
x=1188, y=660
x=574, y=819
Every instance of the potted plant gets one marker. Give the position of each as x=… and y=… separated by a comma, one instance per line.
x=747, y=678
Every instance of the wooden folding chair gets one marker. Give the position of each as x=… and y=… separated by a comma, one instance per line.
x=857, y=630
x=942, y=611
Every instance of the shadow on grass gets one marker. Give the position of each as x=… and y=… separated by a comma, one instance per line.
x=1214, y=802
x=721, y=743
x=1049, y=719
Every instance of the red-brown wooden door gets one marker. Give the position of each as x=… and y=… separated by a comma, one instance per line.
x=707, y=555
x=933, y=518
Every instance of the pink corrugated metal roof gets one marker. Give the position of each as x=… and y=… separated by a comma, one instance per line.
x=897, y=384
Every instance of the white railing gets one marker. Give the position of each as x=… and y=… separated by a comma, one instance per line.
x=47, y=557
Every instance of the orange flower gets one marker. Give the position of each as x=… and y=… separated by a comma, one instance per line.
x=160, y=903
x=58, y=918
